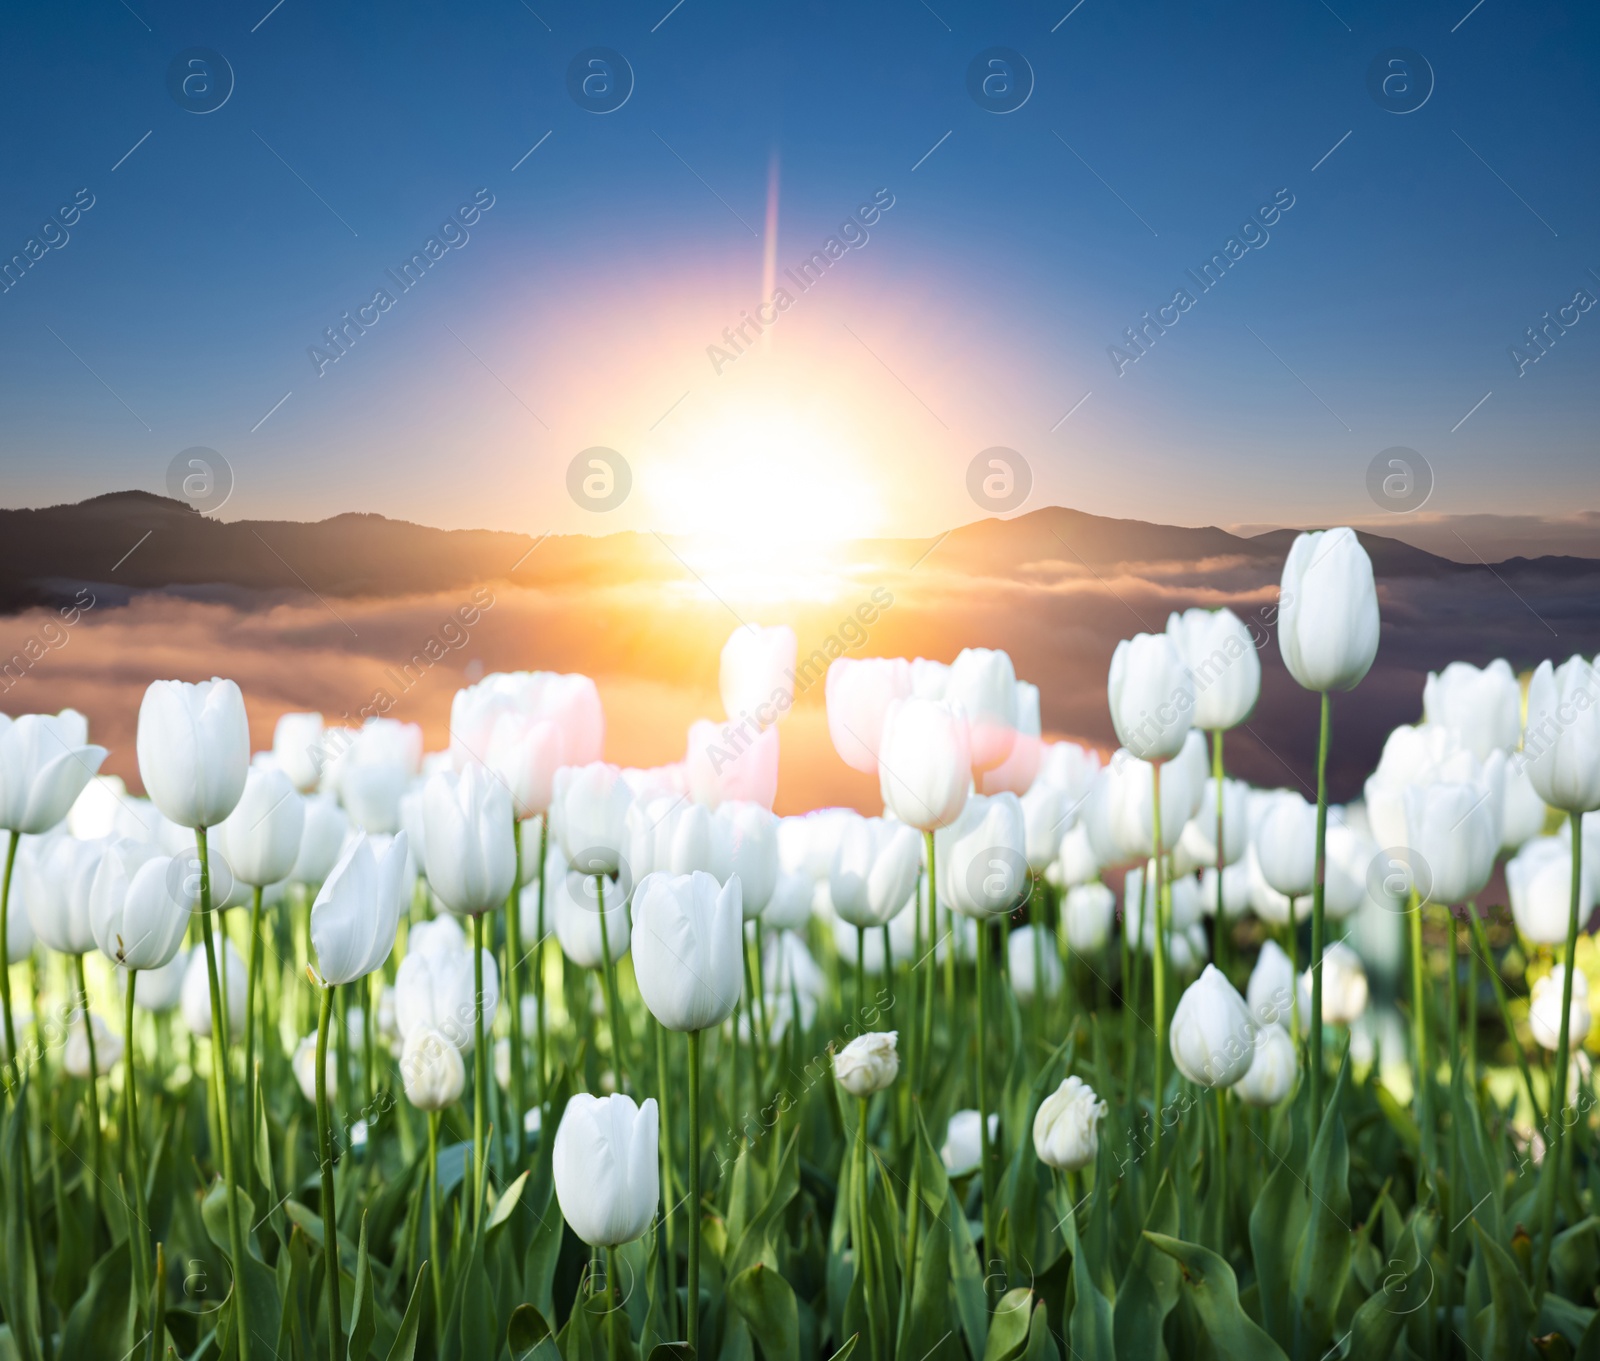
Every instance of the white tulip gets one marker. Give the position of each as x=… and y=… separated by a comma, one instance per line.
x=1561, y=748
x=1087, y=912
x=196, y=998
x=982, y=683
x=1544, y=1009
x=1344, y=986
x=194, y=749
x=1018, y=773
x=524, y=754
x=786, y=964
x=1270, y=992
x=606, y=1162
x=322, y=837
x=297, y=748
x=1273, y=1068
x=304, y=1065
x=984, y=872
x=1031, y=958
x=670, y=835
x=107, y=1048
x=589, y=811
x=688, y=948
x=1045, y=819
x=1076, y=861
x=160, y=990
x=1349, y=859
x=1198, y=842
x=1152, y=697
x=442, y=935
x=1066, y=1129
x=1485, y=706
x=789, y=908
x=471, y=852
x=1453, y=830
x=1328, y=611
x=104, y=809
x=1071, y=769
x=744, y=843
x=357, y=910
x=261, y=837
x=46, y=762
x=140, y=903
x=859, y=692
x=1212, y=1036
x=1265, y=901
x=1236, y=898
x=436, y=990
x=431, y=1069
x=868, y=1064
x=577, y=916
x=1286, y=844
x=59, y=878
x=757, y=677
x=1523, y=812
x=874, y=871
x=373, y=769
x=925, y=762
x=962, y=1150
x=1221, y=656
x=1539, y=882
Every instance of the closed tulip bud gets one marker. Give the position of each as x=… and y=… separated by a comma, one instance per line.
x=471, y=856
x=688, y=948
x=524, y=754
x=1452, y=828
x=925, y=763
x=670, y=835
x=1485, y=706
x=1044, y=821
x=1544, y=1008
x=1076, y=860
x=1087, y=913
x=1344, y=986
x=1328, y=611
x=589, y=811
x=304, y=1065
x=261, y=837
x=194, y=749
x=1235, y=890
x=573, y=702
x=983, y=684
x=1522, y=811
x=985, y=869
x=1539, y=882
x=1212, y=1037
x=435, y=988
x=1152, y=696
x=1221, y=656
x=962, y=1150
x=606, y=1162
x=1266, y=902
x=297, y=748
x=744, y=843
x=1198, y=842
x=357, y=911
x=1273, y=1068
x=1033, y=964
x=373, y=770
x=1561, y=748
x=96, y=812
x=45, y=763
x=869, y=1063
x=731, y=763
x=874, y=870
x=1070, y=768
x=159, y=990
x=195, y=1000
x=1270, y=992
x=432, y=1070
x=322, y=836
x=1066, y=1129
x=140, y=903
x=789, y=908
x=757, y=678
x=577, y=915
x=60, y=877
x=1286, y=844
x=107, y=1048
x=1018, y=773
x=20, y=939
x=859, y=693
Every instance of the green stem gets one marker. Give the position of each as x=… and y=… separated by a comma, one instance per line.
x=931, y=966
x=138, y=1237
x=95, y=1140
x=609, y=967
x=538, y=950
x=1160, y=998
x=861, y=973
x=1316, y=908
x=1223, y=935
x=158, y=1322
x=14, y=1071
x=330, y=1215
x=253, y=967
x=1472, y=1001
x=1504, y=1005
x=983, y=1092
x=1419, y=1016
x=480, y=1075
x=615, y=1346
x=694, y=1191
x=433, y=1231
x=221, y=1085
x=1558, y=1089
x=514, y=993
x=863, y=1215
x=663, y=1078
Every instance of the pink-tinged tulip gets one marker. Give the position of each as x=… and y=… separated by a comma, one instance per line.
x=1222, y=659
x=1328, y=611
x=194, y=749
x=571, y=702
x=524, y=755
x=757, y=678
x=929, y=679
x=859, y=693
x=1561, y=748
x=1018, y=773
x=1152, y=696
x=471, y=857
x=925, y=762
x=297, y=748
x=732, y=762
x=983, y=683
x=45, y=763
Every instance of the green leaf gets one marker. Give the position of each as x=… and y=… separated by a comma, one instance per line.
x=97, y=1329
x=21, y=1300
x=362, y=1324
x=748, y=1247
x=526, y=1330
x=1209, y=1284
x=929, y=1322
x=1008, y=1329
x=1091, y=1330
x=1406, y=1287
x=405, y=1345
x=1041, y=1346
x=1277, y=1224
x=1503, y=1327
x=672, y=1351
x=1150, y=1286
x=966, y=1278
x=507, y=1203
x=1322, y=1260
x=261, y=1284
x=766, y=1303
x=843, y=1354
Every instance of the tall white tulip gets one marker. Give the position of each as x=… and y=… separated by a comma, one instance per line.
x=1561, y=748
x=672, y=835
x=46, y=761
x=297, y=748
x=524, y=754
x=1087, y=912
x=261, y=836
x=1539, y=882
x=1344, y=985
x=1270, y=992
x=606, y=1162
x=589, y=812
x=1273, y=1068
x=1544, y=1008
x=1213, y=1036
x=874, y=871
x=577, y=912
x=1222, y=658
x=1045, y=819
x=1453, y=829
x=140, y=903
x=1522, y=811
x=1485, y=706
x=357, y=911
x=1286, y=844
x=1152, y=696
x=194, y=749
x=859, y=692
x=982, y=682
x=196, y=998
x=435, y=988
x=1328, y=611
x=1076, y=859
x=744, y=843
x=60, y=876
x=323, y=831
x=373, y=768
x=470, y=853
x=985, y=869
x=160, y=990
x=687, y=953
x=431, y=1069
x=757, y=678
x=925, y=762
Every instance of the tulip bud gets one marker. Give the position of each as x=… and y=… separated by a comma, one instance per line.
x=1045, y=819
x=196, y=997
x=1328, y=611
x=1344, y=986
x=373, y=769
x=435, y=988
x=304, y=1065
x=1235, y=890
x=139, y=905
x=1522, y=812
x=925, y=763
x=1266, y=902
x=471, y=857
x=1539, y=881
x=1018, y=773
x=357, y=911
x=874, y=871
x=1066, y=1130
x=589, y=812
x=194, y=749
x=1222, y=658
x=859, y=692
x=1544, y=1008
x=1076, y=861
x=297, y=748
x=1286, y=844
x=869, y=1063
x=1270, y=992
x=1561, y=748
x=688, y=948
x=577, y=916
x=60, y=877
x=1273, y=1069
x=985, y=867
x=45, y=763
x=261, y=837
x=1087, y=913
x=159, y=990
x=1484, y=707
x=107, y=1048
x=728, y=763
x=1152, y=697
x=789, y=908
x=982, y=683
x=1199, y=839
x=432, y=1070
x=1033, y=964
x=1452, y=828
x=962, y=1150
x=1212, y=1037
x=757, y=678
x=524, y=754
x=744, y=843
x=607, y=1168
x=322, y=838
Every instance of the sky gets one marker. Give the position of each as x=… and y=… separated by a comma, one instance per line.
x=990, y=260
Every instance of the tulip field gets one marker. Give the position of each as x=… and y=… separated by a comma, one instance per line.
x=346, y=1049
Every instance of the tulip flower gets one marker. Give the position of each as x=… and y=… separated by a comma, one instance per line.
x=571, y=702
x=1539, y=881
x=868, y=1064
x=59, y=876
x=577, y=916
x=195, y=1002
x=744, y=842
x=789, y=908
x=1484, y=707
x=1452, y=828
x=524, y=754
x=432, y=1070
x=1087, y=912
x=471, y=854
x=985, y=865
x=1328, y=611
x=1045, y=819
x=1235, y=895
x=354, y=917
x=925, y=763
x=1274, y=1065
x=159, y=990
x=1033, y=964
x=757, y=679
x=1213, y=1036
x=859, y=692
x=1221, y=657
x=787, y=966
x=1349, y=859
x=962, y=1150
x=46, y=762
x=874, y=871
x=1344, y=985
x=669, y=835
x=1522, y=811
x=194, y=749
x=727, y=763
x=589, y=812
x=1286, y=844
x=1544, y=1008
x=297, y=749
x=606, y=1168
x=1066, y=1127
x=982, y=683
x=1199, y=837
x=435, y=988
x=1076, y=860
x=261, y=836
x=1152, y=696
x=140, y=903
x=1019, y=772
x=303, y=1063
x=1271, y=990
x=373, y=768
x=1266, y=902
x=84, y=1056
x=322, y=836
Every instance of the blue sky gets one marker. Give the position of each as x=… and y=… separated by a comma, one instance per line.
x=1419, y=247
